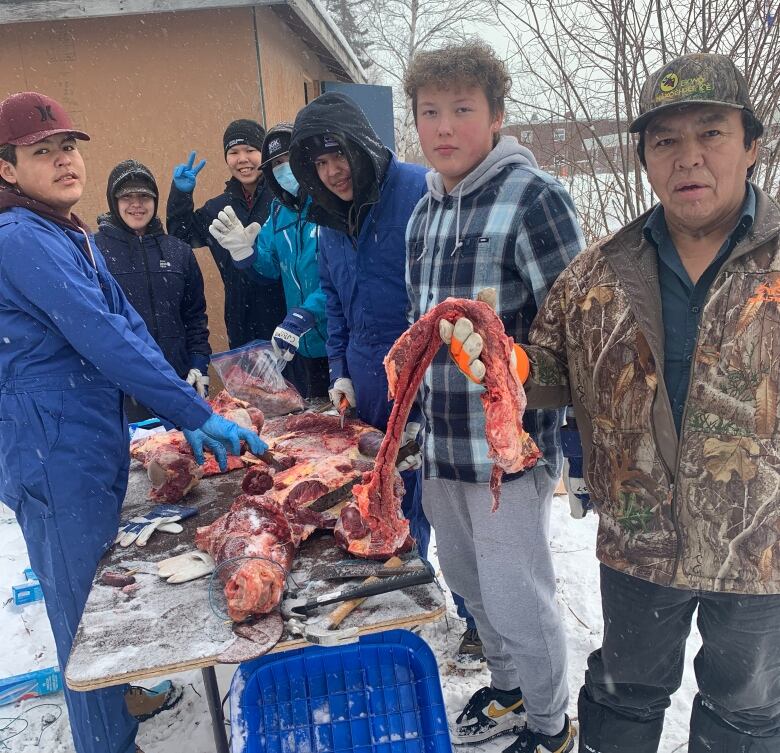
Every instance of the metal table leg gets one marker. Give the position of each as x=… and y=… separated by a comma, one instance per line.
x=215, y=709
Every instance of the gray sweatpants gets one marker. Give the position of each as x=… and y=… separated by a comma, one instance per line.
x=501, y=564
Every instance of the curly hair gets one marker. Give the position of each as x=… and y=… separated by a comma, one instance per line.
x=471, y=64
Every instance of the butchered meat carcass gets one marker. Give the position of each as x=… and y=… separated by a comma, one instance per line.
x=168, y=458
x=256, y=534
x=372, y=524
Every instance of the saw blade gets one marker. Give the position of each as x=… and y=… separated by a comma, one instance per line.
x=359, y=569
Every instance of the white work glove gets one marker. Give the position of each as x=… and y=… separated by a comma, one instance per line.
x=464, y=344
x=342, y=387
x=228, y=231
x=412, y=462
x=199, y=381
x=138, y=530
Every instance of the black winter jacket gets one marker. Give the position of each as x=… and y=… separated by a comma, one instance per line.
x=161, y=278
x=253, y=307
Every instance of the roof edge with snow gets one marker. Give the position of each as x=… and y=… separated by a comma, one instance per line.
x=307, y=17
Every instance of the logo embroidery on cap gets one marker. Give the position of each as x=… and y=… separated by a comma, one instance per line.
x=46, y=113
x=275, y=146
x=669, y=82
x=329, y=141
x=235, y=142
x=672, y=87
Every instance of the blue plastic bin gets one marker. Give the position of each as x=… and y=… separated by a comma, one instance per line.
x=379, y=695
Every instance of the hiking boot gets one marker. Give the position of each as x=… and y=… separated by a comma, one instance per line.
x=144, y=703
x=488, y=713
x=469, y=654
x=536, y=742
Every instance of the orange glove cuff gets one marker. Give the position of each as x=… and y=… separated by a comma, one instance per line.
x=523, y=364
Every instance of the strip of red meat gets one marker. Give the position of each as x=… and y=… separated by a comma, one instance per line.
x=378, y=530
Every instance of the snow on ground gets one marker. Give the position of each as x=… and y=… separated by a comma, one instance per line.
x=27, y=644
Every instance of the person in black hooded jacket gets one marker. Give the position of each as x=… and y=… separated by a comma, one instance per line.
x=158, y=273
x=253, y=307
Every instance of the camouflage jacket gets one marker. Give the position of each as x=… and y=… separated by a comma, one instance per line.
x=702, y=512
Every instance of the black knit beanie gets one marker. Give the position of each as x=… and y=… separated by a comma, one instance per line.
x=243, y=131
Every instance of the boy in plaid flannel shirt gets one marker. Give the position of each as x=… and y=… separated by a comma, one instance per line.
x=490, y=219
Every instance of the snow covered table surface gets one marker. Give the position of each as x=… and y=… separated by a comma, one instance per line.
x=160, y=628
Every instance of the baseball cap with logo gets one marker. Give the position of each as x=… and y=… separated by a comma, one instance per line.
x=700, y=78
x=277, y=142
x=29, y=117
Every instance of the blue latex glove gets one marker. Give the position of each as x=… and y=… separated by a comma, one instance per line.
x=186, y=175
x=573, y=475
x=160, y=518
x=222, y=436
x=287, y=336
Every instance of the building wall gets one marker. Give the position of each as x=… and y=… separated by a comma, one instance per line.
x=564, y=156
x=153, y=87
x=290, y=71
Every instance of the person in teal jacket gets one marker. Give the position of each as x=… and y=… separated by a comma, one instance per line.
x=286, y=246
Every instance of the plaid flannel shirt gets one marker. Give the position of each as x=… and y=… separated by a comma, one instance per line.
x=518, y=232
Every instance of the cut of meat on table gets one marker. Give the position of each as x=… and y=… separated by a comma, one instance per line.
x=257, y=535
x=306, y=496
x=172, y=474
x=257, y=480
x=252, y=389
x=168, y=457
x=311, y=435
x=311, y=490
x=372, y=525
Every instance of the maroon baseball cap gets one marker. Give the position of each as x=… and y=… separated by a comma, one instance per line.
x=28, y=117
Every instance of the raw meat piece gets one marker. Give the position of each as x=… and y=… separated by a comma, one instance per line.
x=257, y=480
x=239, y=411
x=173, y=442
x=369, y=443
x=311, y=435
x=254, y=529
x=168, y=458
x=326, y=481
x=172, y=474
x=379, y=531
x=252, y=389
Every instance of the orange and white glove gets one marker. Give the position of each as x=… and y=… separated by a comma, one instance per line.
x=465, y=345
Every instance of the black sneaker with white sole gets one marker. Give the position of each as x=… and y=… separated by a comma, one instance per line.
x=489, y=712
x=536, y=742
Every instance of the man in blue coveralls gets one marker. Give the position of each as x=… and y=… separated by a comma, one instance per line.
x=71, y=346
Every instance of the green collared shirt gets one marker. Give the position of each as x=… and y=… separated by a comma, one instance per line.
x=682, y=300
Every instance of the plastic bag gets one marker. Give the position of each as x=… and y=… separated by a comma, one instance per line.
x=253, y=373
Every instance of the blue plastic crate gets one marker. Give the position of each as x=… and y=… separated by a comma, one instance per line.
x=379, y=695
x=27, y=593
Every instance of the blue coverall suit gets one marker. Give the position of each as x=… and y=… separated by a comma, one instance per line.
x=71, y=345
x=362, y=259
x=366, y=303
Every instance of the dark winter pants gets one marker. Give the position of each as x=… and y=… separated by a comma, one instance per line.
x=309, y=375
x=629, y=680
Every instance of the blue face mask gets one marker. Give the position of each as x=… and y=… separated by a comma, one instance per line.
x=285, y=178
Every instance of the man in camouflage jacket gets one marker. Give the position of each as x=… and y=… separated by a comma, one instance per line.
x=665, y=337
